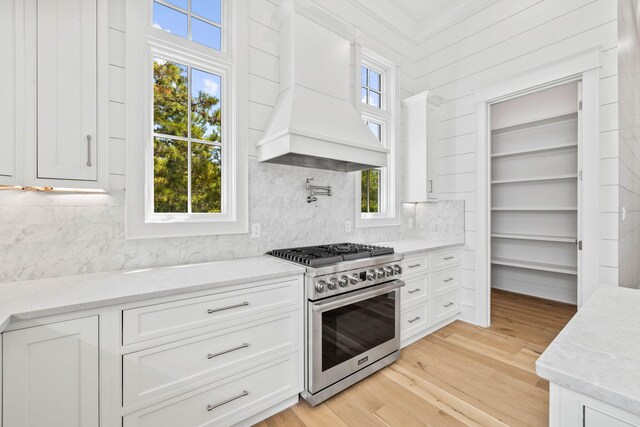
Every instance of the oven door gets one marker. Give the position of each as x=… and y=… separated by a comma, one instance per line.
x=349, y=332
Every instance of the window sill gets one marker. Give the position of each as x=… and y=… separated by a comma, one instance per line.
x=145, y=230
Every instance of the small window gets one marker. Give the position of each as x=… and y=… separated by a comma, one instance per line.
x=371, y=87
x=196, y=20
x=187, y=139
x=370, y=179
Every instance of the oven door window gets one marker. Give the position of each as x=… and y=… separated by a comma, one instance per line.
x=356, y=328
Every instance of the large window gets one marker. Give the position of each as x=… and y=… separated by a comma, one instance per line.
x=193, y=170
x=187, y=140
x=377, y=187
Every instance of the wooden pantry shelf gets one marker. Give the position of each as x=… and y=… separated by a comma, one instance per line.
x=556, y=147
x=536, y=179
x=532, y=209
x=540, y=238
x=540, y=122
x=531, y=265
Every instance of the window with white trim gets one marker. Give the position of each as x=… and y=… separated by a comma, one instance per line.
x=195, y=172
x=376, y=188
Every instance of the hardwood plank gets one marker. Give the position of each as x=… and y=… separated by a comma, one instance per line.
x=459, y=375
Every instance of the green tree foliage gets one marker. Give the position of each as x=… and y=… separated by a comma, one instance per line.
x=370, y=190
x=171, y=110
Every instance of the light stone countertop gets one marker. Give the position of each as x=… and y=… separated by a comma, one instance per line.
x=45, y=297
x=598, y=352
x=410, y=247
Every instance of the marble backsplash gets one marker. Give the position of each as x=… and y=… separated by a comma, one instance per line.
x=48, y=235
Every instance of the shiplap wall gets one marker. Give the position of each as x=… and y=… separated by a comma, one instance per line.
x=263, y=67
x=629, y=141
x=506, y=38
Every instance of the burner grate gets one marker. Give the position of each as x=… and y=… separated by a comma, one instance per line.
x=315, y=256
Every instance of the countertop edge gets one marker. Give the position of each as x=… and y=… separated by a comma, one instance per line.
x=599, y=392
x=20, y=314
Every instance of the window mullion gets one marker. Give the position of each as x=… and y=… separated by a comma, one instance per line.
x=189, y=155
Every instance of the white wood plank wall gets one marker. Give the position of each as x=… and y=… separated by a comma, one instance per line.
x=505, y=38
x=628, y=196
x=264, y=68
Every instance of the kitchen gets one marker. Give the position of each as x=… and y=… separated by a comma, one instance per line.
x=290, y=101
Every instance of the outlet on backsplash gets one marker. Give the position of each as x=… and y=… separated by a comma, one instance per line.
x=255, y=230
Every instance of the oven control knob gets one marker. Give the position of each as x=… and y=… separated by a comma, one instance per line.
x=333, y=283
x=343, y=282
x=381, y=272
x=371, y=275
x=389, y=271
x=397, y=269
x=355, y=279
x=321, y=286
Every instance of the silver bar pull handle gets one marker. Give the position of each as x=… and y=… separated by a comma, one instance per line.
x=220, y=353
x=414, y=291
x=430, y=186
x=414, y=266
x=231, y=399
x=448, y=305
x=448, y=280
x=414, y=319
x=89, y=150
x=215, y=310
x=447, y=258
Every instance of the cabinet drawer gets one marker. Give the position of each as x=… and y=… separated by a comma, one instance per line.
x=225, y=404
x=445, y=258
x=414, y=319
x=445, y=306
x=414, y=265
x=413, y=289
x=168, y=369
x=144, y=323
x=445, y=281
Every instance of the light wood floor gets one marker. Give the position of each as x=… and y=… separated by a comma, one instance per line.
x=460, y=375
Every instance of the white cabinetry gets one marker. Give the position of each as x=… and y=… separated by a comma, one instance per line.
x=568, y=408
x=57, y=94
x=420, y=159
x=50, y=375
x=212, y=359
x=430, y=298
x=218, y=357
x=66, y=89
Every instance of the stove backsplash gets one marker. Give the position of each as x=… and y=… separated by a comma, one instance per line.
x=48, y=235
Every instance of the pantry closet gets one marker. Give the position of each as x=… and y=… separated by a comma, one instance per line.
x=535, y=193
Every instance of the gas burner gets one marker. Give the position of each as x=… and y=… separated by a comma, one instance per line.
x=315, y=256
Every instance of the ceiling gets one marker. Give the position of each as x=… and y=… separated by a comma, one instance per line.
x=418, y=19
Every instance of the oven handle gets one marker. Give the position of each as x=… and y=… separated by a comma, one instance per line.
x=341, y=301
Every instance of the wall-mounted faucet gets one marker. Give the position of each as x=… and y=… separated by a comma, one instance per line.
x=316, y=190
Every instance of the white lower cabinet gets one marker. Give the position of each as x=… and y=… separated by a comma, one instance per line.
x=568, y=408
x=431, y=296
x=227, y=356
x=50, y=375
x=225, y=403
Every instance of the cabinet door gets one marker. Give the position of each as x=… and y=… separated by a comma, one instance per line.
x=432, y=151
x=594, y=418
x=7, y=89
x=51, y=375
x=66, y=89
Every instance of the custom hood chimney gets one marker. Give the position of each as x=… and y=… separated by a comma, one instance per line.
x=314, y=123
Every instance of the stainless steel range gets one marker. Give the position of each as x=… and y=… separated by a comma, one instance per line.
x=352, y=313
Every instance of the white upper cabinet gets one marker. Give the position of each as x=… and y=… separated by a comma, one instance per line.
x=54, y=94
x=66, y=89
x=420, y=123
x=7, y=89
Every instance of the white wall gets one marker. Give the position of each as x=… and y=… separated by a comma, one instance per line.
x=629, y=140
x=45, y=235
x=506, y=38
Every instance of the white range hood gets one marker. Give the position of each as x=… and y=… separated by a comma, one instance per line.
x=314, y=123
